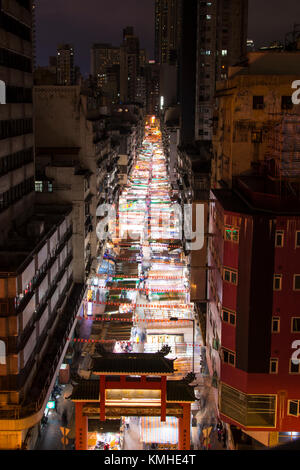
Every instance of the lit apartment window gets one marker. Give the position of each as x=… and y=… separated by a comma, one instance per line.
x=228, y=357
x=279, y=238
x=275, y=324
x=273, y=366
x=230, y=276
x=296, y=284
x=293, y=408
x=256, y=137
x=208, y=17
x=296, y=325
x=39, y=186
x=229, y=317
x=277, y=283
x=207, y=52
x=224, y=52
x=258, y=102
x=294, y=368
x=298, y=239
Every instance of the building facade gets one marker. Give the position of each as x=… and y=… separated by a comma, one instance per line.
x=167, y=30
x=65, y=67
x=129, y=66
x=253, y=316
x=16, y=124
x=104, y=58
x=221, y=42
x=250, y=103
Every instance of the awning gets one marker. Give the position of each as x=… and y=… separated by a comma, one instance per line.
x=154, y=431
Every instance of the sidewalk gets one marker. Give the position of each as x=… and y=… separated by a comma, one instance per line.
x=51, y=435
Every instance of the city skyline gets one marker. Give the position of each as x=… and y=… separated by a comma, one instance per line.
x=137, y=14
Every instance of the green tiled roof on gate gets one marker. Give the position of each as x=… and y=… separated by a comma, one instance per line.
x=177, y=391
x=133, y=363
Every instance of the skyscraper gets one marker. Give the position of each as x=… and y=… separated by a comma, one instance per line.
x=167, y=30
x=16, y=129
x=221, y=42
x=65, y=65
x=129, y=65
x=103, y=58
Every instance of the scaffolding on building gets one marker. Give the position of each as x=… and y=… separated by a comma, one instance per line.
x=283, y=149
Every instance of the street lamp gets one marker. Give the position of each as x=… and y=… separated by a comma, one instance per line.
x=192, y=320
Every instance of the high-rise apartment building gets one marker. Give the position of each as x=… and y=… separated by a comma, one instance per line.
x=221, y=42
x=103, y=57
x=16, y=128
x=253, y=285
x=65, y=65
x=253, y=322
x=39, y=299
x=167, y=30
x=129, y=65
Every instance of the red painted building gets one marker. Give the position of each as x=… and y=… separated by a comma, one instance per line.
x=254, y=311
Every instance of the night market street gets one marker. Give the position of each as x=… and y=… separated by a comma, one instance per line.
x=153, y=277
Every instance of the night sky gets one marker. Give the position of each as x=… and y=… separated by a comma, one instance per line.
x=82, y=22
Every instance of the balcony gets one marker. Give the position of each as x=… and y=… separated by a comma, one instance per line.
x=46, y=370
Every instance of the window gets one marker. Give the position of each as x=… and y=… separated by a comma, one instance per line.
x=230, y=276
x=9, y=24
x=15, y=61
x=232, y=234
x=294, y=368
x=224, y=52
x=208, y=17
x=256, y=137
x=286, y=102
x=39, y=186
x=15, y=127
x=279, y=238
x=273, y=366
x=298, y=239
x=275, y=324
x=296, y=325
x=229, y=317
x=228, y=357
x=296, y=282
x=249, y=410
x=258, y=102
x=277, y=283
x=293, y=408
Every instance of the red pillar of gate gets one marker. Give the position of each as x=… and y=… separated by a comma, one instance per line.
x=81, y=424
x=163, y=398
x=184, y=434
x=102, y=398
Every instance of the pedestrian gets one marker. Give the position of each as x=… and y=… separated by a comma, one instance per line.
x=64, y=418
x=219, y=429
x=224, y=438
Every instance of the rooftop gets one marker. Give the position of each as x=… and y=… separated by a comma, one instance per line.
x=270, y=63
x=133, y=363
x=253, y=194
x=177, y=391
x=28, y=238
